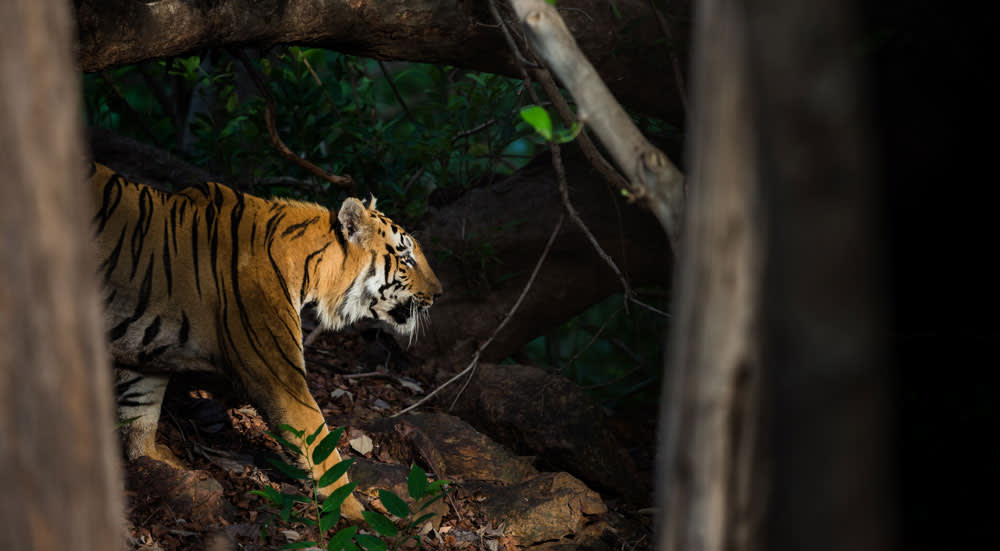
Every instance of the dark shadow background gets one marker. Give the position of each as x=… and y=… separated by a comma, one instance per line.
x=932, y=104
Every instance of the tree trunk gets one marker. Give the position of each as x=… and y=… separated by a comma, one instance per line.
x=464, y=34
x=774, y=430
x=58, y=465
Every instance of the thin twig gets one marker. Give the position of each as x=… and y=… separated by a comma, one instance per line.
x=392, y=84
x=649, y=307
x=613, y=381
x=600, y=164
x=475, y=358
x=522, y=61
x=319, y=82
x=564, y=193
x=672, y=51
x=593, y=339
x=269, y=116
x=561, y=171
x=473, y=130
x=312, y=336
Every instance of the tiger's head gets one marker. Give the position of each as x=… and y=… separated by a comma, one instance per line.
x=394, y=283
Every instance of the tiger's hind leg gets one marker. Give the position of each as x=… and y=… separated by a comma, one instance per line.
x=140, y=396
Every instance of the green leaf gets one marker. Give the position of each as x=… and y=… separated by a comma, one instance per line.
x=299, y=545
x=285, y=443
x=312, y=437
x=393, y=504
x=435, y=486
x=288, y=428
x=422, y=519
x=380, y=524
x=334, y=473
x=328, y=521
x=326, y=446
x=416, y=482
x=269, y=493
x=539, y=119
x=337, y=497
x=286, y=510
x=342, y=539
x=288, y=470
x=371, y=543
x=569, y=134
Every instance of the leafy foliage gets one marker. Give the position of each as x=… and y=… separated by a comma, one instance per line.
x=324, y=515
x=401, y=130
x=614, y=355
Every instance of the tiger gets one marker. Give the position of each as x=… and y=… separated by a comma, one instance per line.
x=210, y=280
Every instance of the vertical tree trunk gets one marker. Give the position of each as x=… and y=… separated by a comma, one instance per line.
x=774, y=427
x=58, y=468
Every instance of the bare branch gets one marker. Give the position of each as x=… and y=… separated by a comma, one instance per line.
x=475, y=358
x=272, y=129
x=442, y=32
x=559, y=169
x=644, y=165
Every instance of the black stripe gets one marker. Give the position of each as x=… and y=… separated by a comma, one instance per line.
x=134, y=404
x=388, y=265
x=108, y=266
x=300, y=227
x=338, y=231
x=305, y=270
x=173, y=223
x=278, y=274
x=141, y=226
x=182, y=335
x=140, y=307
x=109, y=202
x=194, y=250
x=166, y=260
x=111, y=298
x=213, y=255
x=124, y=386
x=151, y=331
x=145, y=357
x=235, y=218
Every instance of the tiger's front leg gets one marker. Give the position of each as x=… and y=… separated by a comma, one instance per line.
x=140, y=397
x=294, y=406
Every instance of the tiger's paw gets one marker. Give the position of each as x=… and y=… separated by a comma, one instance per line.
x=163, y=453
x=351, y=509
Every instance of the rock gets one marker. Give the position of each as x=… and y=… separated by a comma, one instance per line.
x=550, y=417
x=464, y=453
x=546, y=507
x=191, y=495
x=372, y=477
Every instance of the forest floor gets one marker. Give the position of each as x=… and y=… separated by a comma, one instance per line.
x=212, y=507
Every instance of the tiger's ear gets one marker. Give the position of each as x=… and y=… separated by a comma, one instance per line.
x=354, y=221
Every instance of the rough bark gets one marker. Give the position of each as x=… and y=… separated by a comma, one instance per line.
x=118, y=32
x=824, y=281
x=58, y=459
x=712, y=389
x=774, y=429
x=484, y=244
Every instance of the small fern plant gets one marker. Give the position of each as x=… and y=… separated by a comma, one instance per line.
x=323, y=515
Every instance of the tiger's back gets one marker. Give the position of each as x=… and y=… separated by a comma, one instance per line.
x=212, y=280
